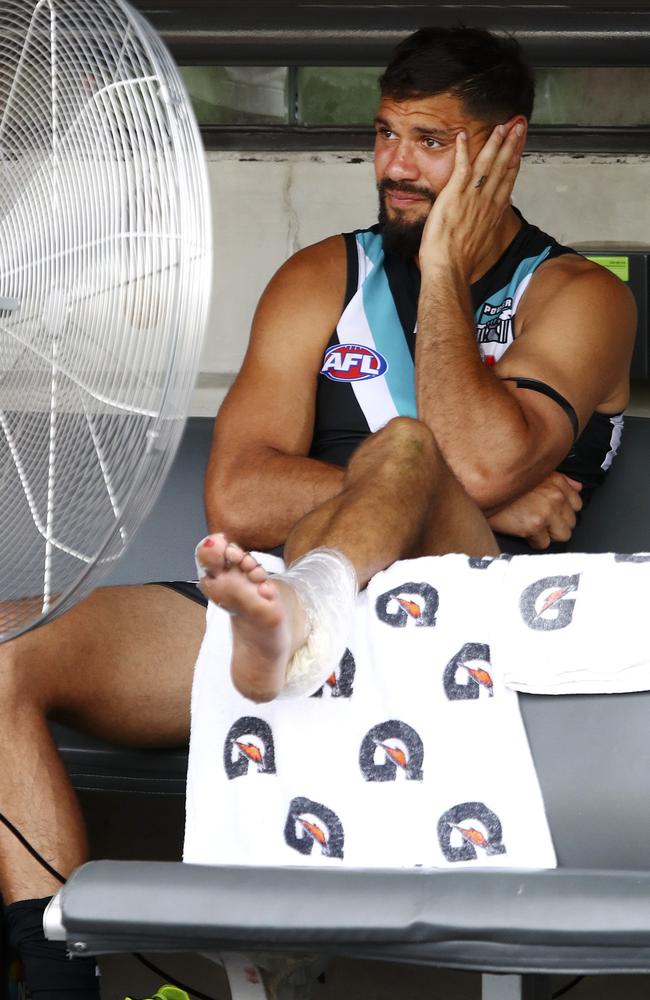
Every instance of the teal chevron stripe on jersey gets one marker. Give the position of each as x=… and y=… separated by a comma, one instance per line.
x=386, y=328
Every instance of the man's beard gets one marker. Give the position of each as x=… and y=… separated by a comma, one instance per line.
x=400, y=236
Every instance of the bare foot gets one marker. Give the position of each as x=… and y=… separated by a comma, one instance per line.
x=268, y=622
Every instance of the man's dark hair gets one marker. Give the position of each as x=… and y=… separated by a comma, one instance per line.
x=486, y=72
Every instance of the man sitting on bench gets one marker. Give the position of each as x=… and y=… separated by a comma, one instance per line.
x=500, y=416
x=490, y=424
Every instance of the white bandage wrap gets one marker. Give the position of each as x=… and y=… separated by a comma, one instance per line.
x=201, y=571
x=326, y=584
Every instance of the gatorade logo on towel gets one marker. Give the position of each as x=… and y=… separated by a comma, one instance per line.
x=340, y=682
x=389, y=749
x=311, y=825
x=545, y=606
x=416, y=602
x=468, y=673
x=469, y=830
x=480, y=562
x=249, y=748
x=352, y=363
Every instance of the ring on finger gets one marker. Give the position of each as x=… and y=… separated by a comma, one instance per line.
x=481, y=181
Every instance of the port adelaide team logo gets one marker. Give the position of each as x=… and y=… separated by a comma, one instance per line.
x=390, y=749
x=495, y=323
x=410, y=602
x=249, y=748
x=468, y=673
x=352, y=363
x=546, y=605
x=340, y=683
x=311, y=826
x=469, y=831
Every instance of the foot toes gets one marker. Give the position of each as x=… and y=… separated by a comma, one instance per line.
x=248, y=563
x=222, y=562
x=233, y=554
x=258, y=574
x=267, y=589
x=209, y=554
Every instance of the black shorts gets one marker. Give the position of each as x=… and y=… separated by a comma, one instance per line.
x=185, y=587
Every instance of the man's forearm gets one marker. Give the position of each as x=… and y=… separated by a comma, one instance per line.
x=260, y=499
x=479, y=427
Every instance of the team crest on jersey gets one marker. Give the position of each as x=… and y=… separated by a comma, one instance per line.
x=495, y=323
x=352, y=363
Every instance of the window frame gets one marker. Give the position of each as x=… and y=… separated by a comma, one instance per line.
x=294, y=137
x=317, y=139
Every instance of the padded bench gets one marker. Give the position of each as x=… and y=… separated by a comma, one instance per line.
x=593, y=759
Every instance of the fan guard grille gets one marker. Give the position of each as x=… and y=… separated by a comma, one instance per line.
x=105, y=266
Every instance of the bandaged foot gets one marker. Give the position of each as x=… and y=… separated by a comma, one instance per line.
x=289, y=631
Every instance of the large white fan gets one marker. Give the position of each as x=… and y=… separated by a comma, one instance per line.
x=105, y=267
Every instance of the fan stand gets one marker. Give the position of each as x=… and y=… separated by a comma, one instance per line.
x=247, y=981
x=276, y=979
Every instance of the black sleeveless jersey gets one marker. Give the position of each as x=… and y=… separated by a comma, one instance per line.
x=368, y=376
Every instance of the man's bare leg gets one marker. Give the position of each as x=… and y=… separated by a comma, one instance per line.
x=399, y=499
x=118, y=666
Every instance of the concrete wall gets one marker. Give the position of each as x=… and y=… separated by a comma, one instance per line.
x=267, y=206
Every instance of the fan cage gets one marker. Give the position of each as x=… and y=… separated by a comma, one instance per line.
x=105, y=268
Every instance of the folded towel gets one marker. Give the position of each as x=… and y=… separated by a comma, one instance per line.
x=411, y=754
x=574, y=623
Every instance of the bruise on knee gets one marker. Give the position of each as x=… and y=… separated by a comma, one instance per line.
x=404, y=447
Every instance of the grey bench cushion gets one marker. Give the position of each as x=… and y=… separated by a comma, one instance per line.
x=495, y=921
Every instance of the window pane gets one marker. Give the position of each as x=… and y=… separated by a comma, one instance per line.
x=592, y=96
x=337, y=95
x=348, y=95
x=237, y=95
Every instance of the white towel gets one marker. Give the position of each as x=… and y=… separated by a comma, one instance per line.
x=413, y=754
x=574, y=623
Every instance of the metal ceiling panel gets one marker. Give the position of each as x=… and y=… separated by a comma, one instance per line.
x=336, y=32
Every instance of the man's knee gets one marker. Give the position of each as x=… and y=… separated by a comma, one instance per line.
x=402, y=442
x=405, y=431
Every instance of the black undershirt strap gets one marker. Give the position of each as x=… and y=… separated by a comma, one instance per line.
x=546, y=390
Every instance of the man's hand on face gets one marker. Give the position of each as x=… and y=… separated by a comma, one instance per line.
x=471, y=204
x=547, y=513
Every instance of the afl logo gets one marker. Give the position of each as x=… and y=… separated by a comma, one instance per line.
x=352, y=363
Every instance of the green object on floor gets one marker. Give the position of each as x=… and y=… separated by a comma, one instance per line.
x=167, y=993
